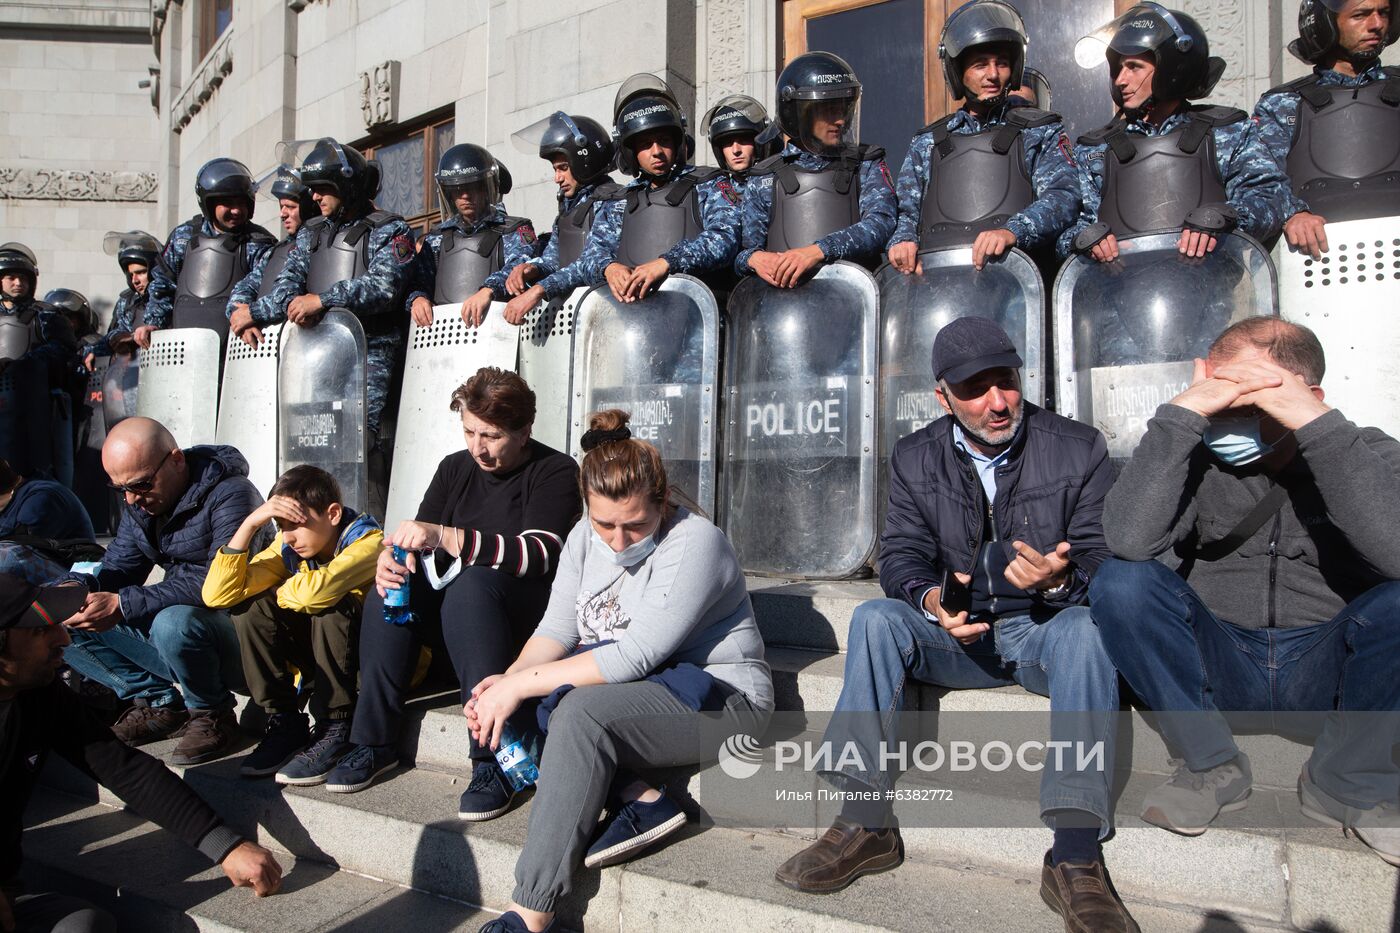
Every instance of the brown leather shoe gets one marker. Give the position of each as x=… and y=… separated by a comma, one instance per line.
x=1084, y=897
x=209, y=734
x=843, y=853
x=141, y=723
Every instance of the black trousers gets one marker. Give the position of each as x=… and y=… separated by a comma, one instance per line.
x=483, y=618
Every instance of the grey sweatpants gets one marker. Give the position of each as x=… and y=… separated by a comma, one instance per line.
x=594, y=732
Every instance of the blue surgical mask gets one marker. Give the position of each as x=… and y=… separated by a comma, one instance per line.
x=629, y=556
x=1235, y=439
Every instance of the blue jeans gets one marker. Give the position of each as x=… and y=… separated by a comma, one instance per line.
x=1058, y=655
x=1180, y=658
x=190, y=645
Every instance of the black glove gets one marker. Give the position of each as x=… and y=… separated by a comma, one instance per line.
x=1091, y=236
x=1213, y=219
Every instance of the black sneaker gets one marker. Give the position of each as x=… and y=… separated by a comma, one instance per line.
x=633, y=827
x=358, y=769
x=314, y=764
x=287, y=734
x=487, y=796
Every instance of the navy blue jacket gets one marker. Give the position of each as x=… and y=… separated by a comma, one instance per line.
x=1051, y=488
x=46, y=509
x=220, y=496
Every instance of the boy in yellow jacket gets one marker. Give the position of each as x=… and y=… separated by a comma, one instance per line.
x=306, y=591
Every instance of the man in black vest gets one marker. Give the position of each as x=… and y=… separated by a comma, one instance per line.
x=207, y=255
x=1164, y=163
x=997, y=173
x=1336, y=132
x=295, y=207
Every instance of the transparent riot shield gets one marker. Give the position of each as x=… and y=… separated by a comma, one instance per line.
x=914, y=308
x=28, y=424
x=1127, y=331
x=1348, y=298
x=441, y=357
x=546, y=363
x=89, y=479
x=120, y=388
x=659, y=360
x=799, y=445
x=180, y=383
x=248, y=404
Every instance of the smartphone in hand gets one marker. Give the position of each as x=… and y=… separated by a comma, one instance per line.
x=954, y=595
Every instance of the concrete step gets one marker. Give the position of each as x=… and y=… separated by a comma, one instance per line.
x=817, y=616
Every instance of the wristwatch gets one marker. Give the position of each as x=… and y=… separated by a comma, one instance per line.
x=1055, y=592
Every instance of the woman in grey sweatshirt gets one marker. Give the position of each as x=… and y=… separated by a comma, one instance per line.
x=650, y=639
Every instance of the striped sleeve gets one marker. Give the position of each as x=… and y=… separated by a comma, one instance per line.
x=532, y=553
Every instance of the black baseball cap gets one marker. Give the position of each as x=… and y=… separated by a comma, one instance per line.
x=969, y=346
x=23, y=605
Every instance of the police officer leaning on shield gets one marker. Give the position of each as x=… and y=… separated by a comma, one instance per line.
x=1336, y=132
x=582, y=154
x=207, y=255
x=997, y=173
x=825, y=197
x=468, y=257
x=295, y=208
x=137, y=253
x=1164, y=163
x=674, y=218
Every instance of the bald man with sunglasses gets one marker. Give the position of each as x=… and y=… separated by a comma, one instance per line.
x=143, y=639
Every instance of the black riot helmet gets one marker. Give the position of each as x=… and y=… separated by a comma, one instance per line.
x=353, y=178
x=468, y=164
x=1035, y=89
x=813, y=81
x=284, y=183
x=645, y=103
x=132, y=247
x=1177, y=43
x=18, y=258
x=1318, y=31
x=583, y=142
x=735, y=114
x=223, y=178
x=75, y=307
x=976, y=24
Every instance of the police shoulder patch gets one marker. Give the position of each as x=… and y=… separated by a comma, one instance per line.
x=731, y=194
x=1066, y=149
x=526, y=232
x=402, y=245
x=885, y=173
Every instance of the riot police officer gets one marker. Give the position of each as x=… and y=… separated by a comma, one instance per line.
x=733, y=126
x=295, y=207
x=1328, y=130
x=207, y=255
x=995, y=174
x=674, y=217
x=357, y=257
x=465, y=260
x=137, y=253
x=74, y=306
x=582, y=154
x=37, y=347
x=1164, y=163
x=826, y=196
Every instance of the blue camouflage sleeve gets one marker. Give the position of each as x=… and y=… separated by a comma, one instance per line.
x=119, y=324
x=422, y=275
x=391, y=259
x=754, y=216
x=913, y=182
x=714, y=247
x=520, y=245
x=160, y=293
x=1276, y=115
x=1088, y=165
x=599, y=251
x=1056, y=183
x=246, y=291
x=1254, y=184
x=548, y=261
x=291, y=282
x=866, y=238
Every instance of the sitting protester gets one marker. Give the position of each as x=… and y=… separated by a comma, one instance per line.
x=493, y=521
x=141, y=639
x=649, y=623
x=307, y=588
x=40, y=508
x=38, y=716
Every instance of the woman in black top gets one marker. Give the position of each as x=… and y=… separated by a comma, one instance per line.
x=493, y=521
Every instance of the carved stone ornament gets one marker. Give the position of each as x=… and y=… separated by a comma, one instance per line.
x=60, y=185
x=379, y=97
x=212, y=71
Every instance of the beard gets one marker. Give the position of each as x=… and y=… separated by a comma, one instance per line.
x=986, y=437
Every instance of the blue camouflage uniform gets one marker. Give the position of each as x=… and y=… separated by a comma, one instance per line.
x=1047, y=162
x=710, y=251
x=375, y=298
x=160, y=293
x=518, y=246
x=549, y=259
x=246, y=291
x=56, y=346
x=123, y=317
x=1277, y=117
x=863, y=241
x=1254, y=186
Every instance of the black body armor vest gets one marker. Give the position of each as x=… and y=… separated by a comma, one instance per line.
x=977, y=182
x=656, y=219
x=1345, y=160
x=571, y=227
x=276, y=262
x=212, y=266
x=19, y=332
x=464, y=261
x=340, y=253
x=810, y=204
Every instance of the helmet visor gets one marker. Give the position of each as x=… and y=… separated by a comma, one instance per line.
x=282, y=181
x=1142, y=29
x=731, y=107
x=116, y=241
x=642, y=84
x=316, y=160
x=829, y=126
x=481, y=197
x=1035, y=87
x=980, y=23
x=557, y=130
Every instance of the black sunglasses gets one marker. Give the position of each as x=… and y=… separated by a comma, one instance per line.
x=140, y=487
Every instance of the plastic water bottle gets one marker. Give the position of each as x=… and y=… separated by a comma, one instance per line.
x=515, y=760
x=396, y=611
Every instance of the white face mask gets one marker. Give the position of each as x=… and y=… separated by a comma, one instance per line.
x=1235, y=439
x=629, y=556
